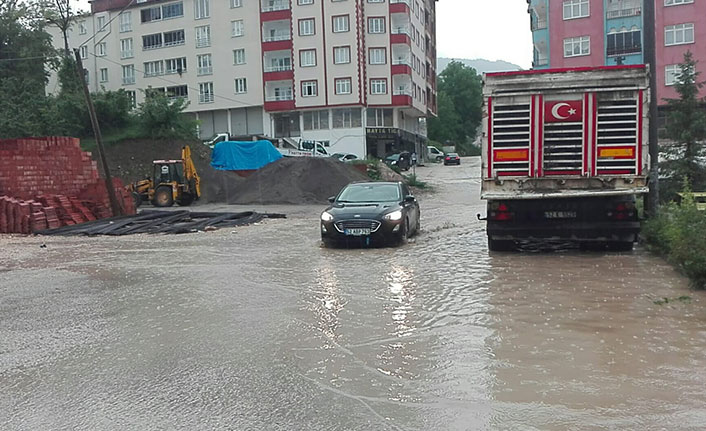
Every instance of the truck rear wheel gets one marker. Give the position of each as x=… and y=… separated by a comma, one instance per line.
x=163, y=197
x=185, y=200
x=620, y=245
x=501, y=244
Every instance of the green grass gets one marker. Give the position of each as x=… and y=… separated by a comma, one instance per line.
x=112, y=137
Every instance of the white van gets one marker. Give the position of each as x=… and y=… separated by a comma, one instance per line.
x=434, y=154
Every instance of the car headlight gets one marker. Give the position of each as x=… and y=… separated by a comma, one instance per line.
x=394, y=216
x=393, y=162
x=325, y=216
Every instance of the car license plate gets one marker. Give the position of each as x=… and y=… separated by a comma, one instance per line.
x=559, y=214
x=357, y=232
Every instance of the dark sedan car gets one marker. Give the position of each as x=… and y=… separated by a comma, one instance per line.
x=452, y=159
x=370, y=213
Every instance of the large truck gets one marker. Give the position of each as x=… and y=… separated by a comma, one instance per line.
x=565, y=155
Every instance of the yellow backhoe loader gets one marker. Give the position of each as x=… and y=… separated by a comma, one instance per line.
x=171, y=181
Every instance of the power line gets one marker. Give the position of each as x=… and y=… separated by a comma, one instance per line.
x=173, y=82
x=29, y=58
x=95, y=33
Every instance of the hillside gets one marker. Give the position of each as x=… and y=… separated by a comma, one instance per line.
x=479, y=64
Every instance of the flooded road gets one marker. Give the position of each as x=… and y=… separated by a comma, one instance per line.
x=259, y=328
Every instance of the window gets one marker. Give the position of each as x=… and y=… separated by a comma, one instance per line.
x=157, y=13
x=671, y=73
x=676, y=2
x=576, y=9
x=309, y=88
x=678, y=34
x=236, y=3
x=203, y=36
x=340, y=24
x=624, y=42
x=178, y=91
x=577, y=46
x=201, y=9
x=342, y=54
x=343, y=86
x=129, y=74
x=125, y=22
x=204, y=65
x=302, y=2
x=86, y=76
x=239, y=56
x=307, y=58
x=279, y=64
x=104, y=74
x=83, y=52
x=132, y=98
x=315, y=120
x=378, y=86
x=377, y=56
x=100, y=49
x=346, y=118
x=175, y=65
x=238, y=28
x=241, y=85
x=376, y=25
x=205, y=92
x=306, y=27
x=82, y=27
x=154, y=68
x=379, y=117
x=172, y=38
x=101, y=23
x=126, y=48
x=376, y=1
x=152, y=41
x=282, y=93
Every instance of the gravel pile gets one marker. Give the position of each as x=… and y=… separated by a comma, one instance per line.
x=293, y=180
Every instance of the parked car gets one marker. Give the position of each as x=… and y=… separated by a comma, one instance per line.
x=452, y=159
x=434, y=153
x=370, y=213
x=344, y=157
x=401, y=160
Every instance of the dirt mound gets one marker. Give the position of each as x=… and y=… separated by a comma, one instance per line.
x=295, y=180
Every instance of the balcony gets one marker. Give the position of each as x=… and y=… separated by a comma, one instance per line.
x=401, y=66
x=202, y=42
x=279, y=72
x=400, y=6
x=539, y=24
x=275, y=10
x=127, y=80
x=402, y=96
x=623, y=13
x=279, y=96
x=400, y=34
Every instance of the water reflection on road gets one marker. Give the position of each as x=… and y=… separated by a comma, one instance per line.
x=261, y=328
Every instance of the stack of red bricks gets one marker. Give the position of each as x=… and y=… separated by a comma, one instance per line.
x=49, y=182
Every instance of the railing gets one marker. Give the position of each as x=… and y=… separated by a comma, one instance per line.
x=126, y=54
x=401, y=30
x=402, y=92
x=205, y=70
x=155, y=73
x=278, y=68
x=175, y=43
x=128, y=80
x=626, y=50
x=277, y=38
x=404, y=61
x=407, y=2
x=202, y=42
x=540, y=62
x=279, y=98
x=539, y=24
x=275, y=7
x=206, y=98
x=621, y=13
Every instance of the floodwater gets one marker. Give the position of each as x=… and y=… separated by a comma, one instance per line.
x=259, y=328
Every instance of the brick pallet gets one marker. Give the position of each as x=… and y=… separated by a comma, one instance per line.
x=48, y=182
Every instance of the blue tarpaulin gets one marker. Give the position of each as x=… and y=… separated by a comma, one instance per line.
x=243, y=155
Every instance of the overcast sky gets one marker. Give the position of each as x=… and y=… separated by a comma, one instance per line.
x=489, y=29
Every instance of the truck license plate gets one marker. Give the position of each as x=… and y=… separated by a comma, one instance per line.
x=559, y=214
x=357, y=232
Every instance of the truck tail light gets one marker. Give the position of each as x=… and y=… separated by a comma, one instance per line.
x=622, y=211
x=500, y=212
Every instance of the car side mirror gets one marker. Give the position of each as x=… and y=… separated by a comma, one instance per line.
x=332, y=199
x=409, y=199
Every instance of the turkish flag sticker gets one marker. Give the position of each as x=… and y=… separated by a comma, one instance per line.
x=563, y=112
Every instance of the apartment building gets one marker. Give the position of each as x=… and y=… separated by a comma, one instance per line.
x=359, y=75
x=576, y=33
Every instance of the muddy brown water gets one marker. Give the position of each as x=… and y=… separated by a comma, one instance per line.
x=259, y=328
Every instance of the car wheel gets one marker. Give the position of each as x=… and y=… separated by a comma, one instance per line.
x=620, y=246
x=501, y=244
x=439, y=158
x=163, y=197
x=328, y=243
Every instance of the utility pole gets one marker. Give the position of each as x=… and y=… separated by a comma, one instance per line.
x=114, y=205
x=648, y=8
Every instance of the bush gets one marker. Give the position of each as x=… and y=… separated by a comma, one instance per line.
x=413, y=181
x=162, y=118
x=678, y=233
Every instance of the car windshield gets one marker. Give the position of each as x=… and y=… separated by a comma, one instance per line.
x=452, y=155
x=393, y=157
x=359, y=193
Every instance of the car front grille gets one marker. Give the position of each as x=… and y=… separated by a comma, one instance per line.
x=342, y=225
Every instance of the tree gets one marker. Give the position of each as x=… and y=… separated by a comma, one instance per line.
x=459, y=101
x=160, y=117
x=60, y=14
x=686, y=126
